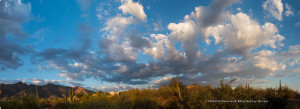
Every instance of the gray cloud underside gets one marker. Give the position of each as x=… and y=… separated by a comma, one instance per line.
x=12, y=15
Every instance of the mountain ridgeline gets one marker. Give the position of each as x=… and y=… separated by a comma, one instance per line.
x=44, y=91
x=176, y=95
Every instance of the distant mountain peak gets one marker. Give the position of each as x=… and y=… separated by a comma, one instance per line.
x=20, y=82
x=80, y=90
x=44, y=91
x=50, y=84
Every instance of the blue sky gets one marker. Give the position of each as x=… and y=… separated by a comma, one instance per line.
x=118, y=44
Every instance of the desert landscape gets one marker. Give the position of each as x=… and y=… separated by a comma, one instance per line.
x=149, y=54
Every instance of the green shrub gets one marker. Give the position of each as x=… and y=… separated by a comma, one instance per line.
x=165, y=97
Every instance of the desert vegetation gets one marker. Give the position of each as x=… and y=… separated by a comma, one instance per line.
x=176, y=95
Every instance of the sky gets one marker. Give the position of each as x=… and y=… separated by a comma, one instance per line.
x=115, y=45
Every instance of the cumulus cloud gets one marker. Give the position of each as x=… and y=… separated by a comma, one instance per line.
x=214, y=13
x=183, y=31
x=294, y=48
x=210, y=15
x=246, y=50
x=288, y=11
x=139, y=42
x=236, y=32
x=12, y=14
x=158, y=49
x=71, y=61
x=291, y=60
x=77, y=63
x=243, y=34
x=186, y=33
x=133, y=8
x=163, y=81
x=274, y=7
x=114, y=88
x=117, y=26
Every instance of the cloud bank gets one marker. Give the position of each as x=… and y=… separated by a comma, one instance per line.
x=12, y=14
x=246, y=48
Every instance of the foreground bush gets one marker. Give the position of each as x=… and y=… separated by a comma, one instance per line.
x=174, y=96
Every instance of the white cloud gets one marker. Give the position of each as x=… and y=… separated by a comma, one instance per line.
x=265, y=62
x=288, y=11
x=242, y=34
x=116, y=26
x=45, y=81
x=183, y=31
x=274, y=7
x=122, y=44
x=238, y=37
x=158, y=49
x=163, y=48
x=62, y=74
x=209, y=16
x=188, y=34
x=36, y=81
x=265, y=53
x=294, y=48
x=163, y=81
x=121, y=51
x=114, y=88
x=133, y=8
x=291, y=59
x=122, y=68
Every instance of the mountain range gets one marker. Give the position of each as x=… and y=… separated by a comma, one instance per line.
x=43, y=91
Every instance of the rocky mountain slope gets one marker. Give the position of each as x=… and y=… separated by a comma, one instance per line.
x=44, y=91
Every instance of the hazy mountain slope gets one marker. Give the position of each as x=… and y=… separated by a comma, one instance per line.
x=44, y=91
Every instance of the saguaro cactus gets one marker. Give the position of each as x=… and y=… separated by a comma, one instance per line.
x=178, y=89
x=71, y=94
x=37, y=93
